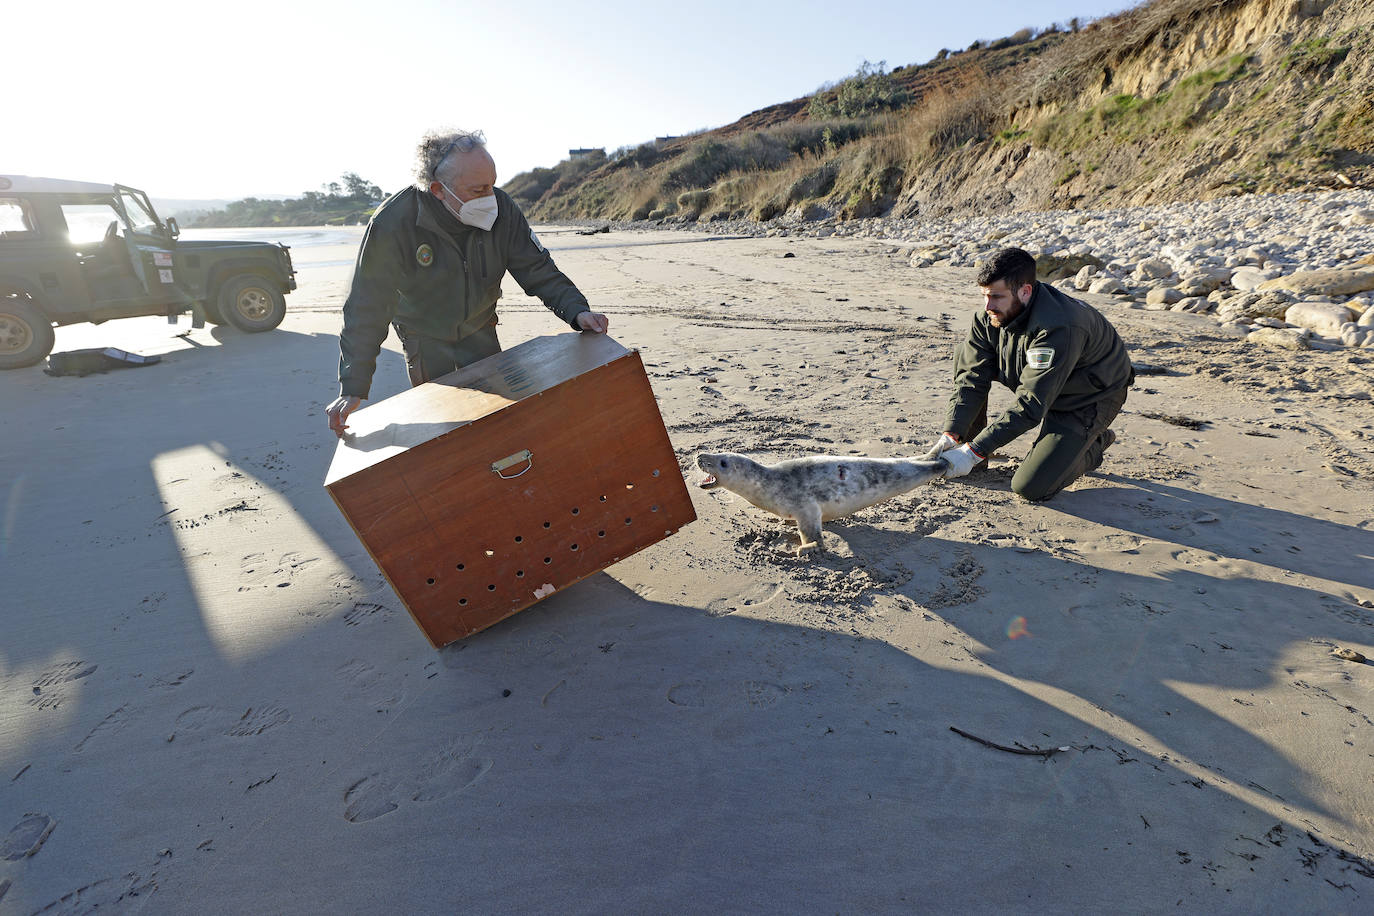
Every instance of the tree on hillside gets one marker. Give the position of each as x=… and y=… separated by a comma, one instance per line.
x=360, y=188
x=348, y=203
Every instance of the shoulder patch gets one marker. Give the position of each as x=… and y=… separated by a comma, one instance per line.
x=1039, y=357
x=424, y=255
x=534, y=238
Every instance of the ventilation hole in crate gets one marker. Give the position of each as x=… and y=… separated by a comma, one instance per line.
x=627, y=519
x=629, y=486
x=575, y=510
x=518, y=539
x=548, y=560
x=653, y=508
x=603, y=499
x=491, y=588
x=546, y=524
x=459, y=566
x=601, y=534
x=462, y=601
x=491, y=553
x=519, y=574
x=429, y=581
x=655, y=472
x=573, y=547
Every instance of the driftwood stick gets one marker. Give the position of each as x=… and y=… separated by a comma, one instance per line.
x=1028, y=752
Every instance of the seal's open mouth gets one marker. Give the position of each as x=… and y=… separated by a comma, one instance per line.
x=709, y=483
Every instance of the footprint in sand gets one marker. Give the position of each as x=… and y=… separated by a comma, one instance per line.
x=51, y=687
x=26, y=837
x=256, y=721
x=111, y=723
x=441, y=775
x=365, y=612
x=259, y=571
x=757, y=594
x=700, y=695
x=206, y=720
x=381, y=689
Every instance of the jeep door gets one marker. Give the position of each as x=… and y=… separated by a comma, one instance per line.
x=100, y=240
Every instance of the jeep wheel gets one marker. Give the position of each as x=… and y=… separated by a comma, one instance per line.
x=26, y=335
x=252, y=303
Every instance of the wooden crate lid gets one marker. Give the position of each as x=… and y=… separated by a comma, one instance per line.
x=438, y=407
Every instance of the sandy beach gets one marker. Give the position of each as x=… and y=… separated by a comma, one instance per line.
x=211, y=702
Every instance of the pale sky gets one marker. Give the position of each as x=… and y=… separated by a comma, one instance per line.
x=191, y=99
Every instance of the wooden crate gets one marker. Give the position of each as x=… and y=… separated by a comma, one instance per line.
x=487, y=490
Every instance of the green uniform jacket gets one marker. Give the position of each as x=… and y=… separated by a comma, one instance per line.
x=1058, y=354
x=420, y=267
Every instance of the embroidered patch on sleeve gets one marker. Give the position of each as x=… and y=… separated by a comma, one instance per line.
x=534, y=238
x=1039, y=357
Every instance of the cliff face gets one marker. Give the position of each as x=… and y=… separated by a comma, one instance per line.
x=1172, y=100
x=1224, y=98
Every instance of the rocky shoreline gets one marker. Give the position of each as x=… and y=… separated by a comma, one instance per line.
x=1293, y=270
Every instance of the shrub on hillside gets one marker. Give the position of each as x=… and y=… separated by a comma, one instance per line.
x=709, y=159
x=867, y=92
x=528, y=187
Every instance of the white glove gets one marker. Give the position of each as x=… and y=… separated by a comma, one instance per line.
x=944, y=444
x=961, y=460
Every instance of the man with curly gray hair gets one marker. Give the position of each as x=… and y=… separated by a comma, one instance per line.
x=431, y=265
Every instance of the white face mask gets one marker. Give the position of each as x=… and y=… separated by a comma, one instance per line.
x=479, y=212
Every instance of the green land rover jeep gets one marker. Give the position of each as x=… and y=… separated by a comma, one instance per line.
x=75, y=251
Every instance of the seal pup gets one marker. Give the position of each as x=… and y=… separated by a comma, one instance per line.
x=816, y=489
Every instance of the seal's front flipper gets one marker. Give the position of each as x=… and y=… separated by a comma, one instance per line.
x=809, y=526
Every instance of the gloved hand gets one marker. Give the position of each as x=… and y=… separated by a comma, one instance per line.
x=961, y=460
x=944, y=444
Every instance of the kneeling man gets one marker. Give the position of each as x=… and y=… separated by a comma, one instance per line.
x=1066, y=364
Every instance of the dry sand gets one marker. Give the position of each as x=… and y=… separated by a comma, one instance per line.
x=213, y=703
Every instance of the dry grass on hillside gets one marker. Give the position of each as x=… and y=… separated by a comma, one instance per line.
x=1062, y=93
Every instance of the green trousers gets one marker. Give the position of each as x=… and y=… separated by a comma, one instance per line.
x=427, y=358
x=1070, y=444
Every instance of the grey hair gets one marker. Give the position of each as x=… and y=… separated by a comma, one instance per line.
x=437, y=146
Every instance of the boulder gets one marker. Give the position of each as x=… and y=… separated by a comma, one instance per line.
x=1335, y=281
x=1163, y=297
x=1283, y=338
x=1106, y=285
x=1323, y=317
x=1352, y=335
x=1367, y=319
x=1254, y=305
x=1084, y=278
x=1153, y=269
x=1059, y=265
x=1248, y=278
x=1194, y=304
x=1205, y=279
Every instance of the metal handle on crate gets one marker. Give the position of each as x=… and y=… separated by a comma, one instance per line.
x=523, y=455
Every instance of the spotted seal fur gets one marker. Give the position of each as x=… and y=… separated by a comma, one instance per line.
x=816, y=489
